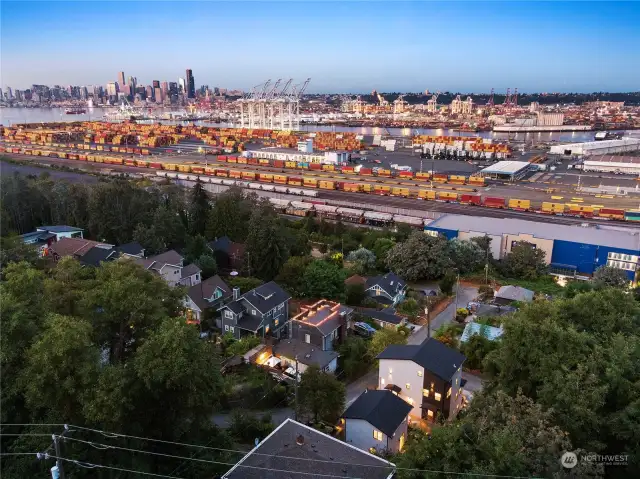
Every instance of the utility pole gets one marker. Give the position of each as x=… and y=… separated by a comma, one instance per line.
x=455, y=311
x=426, y=310
x=56, y=442
x=295, y=411
x=57, y=471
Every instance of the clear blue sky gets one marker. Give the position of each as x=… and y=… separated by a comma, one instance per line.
x=349, y=47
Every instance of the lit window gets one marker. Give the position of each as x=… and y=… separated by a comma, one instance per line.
x=390, y=371
x=307, y=339
x=408, y=385
x=457, y=381
x=449, y=393
x=429, y=413
x=432, y=385
x=266, y=329
x=437, y=396
x=425, y=393
x=419, y=374
x=409, y=400
x=377, y=435
x=276, y=322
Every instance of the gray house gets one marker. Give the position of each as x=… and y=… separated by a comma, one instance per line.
x=386, y=289
x=377, y=422
x=205, y=296
x=324, y=324
x=263, y=311
x=170, y=265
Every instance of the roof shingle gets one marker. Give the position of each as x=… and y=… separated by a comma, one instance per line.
x=381, y=408
x=432, y=355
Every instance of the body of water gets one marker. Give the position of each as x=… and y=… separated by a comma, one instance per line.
x=10, y=116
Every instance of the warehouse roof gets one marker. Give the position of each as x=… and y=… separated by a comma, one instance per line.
x=593, y=234
x=613, y=159
x=596, y=145
x=506, y=168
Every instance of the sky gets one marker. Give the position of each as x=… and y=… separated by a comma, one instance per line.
x=346, y=47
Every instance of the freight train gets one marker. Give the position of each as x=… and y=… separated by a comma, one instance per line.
x=286, y=182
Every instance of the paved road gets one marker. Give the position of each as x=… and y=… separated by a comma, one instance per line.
x=370, y=380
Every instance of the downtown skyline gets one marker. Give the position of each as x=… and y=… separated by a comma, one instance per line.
x=346, y=47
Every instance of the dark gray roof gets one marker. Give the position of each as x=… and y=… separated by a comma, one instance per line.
x=382, y=409
x=249, y=323
x=381, y=316
x=308, y=354
x=220, y=244
x=60, y=229
x=390, y=282
x=294, y=451
x=327, y=318
x=266, y=297
x=432, y=355
x=515, y=293
x=96, y=255
x=235, y=306
x=37, y=236
x=168, y=257
x=133, y=249
x=189, y=270
x=200, y=293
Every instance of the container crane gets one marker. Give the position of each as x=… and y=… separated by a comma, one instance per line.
x=432, y=104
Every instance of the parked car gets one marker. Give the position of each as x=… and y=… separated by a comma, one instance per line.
x=364, y=329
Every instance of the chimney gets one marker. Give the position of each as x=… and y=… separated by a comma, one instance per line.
x=300, y=440
x=236, y=293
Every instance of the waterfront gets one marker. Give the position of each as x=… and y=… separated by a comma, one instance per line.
x=10, y=116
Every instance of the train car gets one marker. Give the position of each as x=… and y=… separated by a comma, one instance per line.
x=264, y=177
x=249, y=175
x=423, y=176
x=155, y=165
x=294, y=181
x=235, y=174
x=610, y=213
x=255, y=186
x=351, y=215
x=278, y=163
x=412, y=221
x=184, y=168
x=295, y=191
x=232, y=159
x=396, y=191
x=310, y=182
x=268, y=187
x=142, y=163
x=328, y=168
x=252, y=161
x=440, y=178
x=198, y=170
x=457, y=179
x=327, y=185
x=299, y=208
x=222, y=173
x=281, y=189
x=494, y=202
x=382, y=190
x=349, y=170
x=263, y=162
x=280, y=179
x=365, y=172
x=632, y=215
x=426, y=194
x=366, y=188
x=302, y=165
x=471, y=200
x=375, y=218
x=242, y=160
x=351, y=187
x=476, y=180
x=83, y=157
x=290, y=164
x=310, y=193
x=327, y=211
x=519, y=205
x=580, y=210
x=384, y=173
x=553, y=208
x=315, y=166
x=447, y=196
x=406, y=175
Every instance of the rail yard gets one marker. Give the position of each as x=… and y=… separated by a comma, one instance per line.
x=221, y=156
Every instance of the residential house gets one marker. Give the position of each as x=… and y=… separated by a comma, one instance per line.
x=296, y=451
x=170, y=266
x=490, y=332
x=96, y=256
x=386, y=289
x=263, y=311
x=428, y=376
x=287, y=350
x=377, y=421
x=323, y=324
x=204, y=297
x=385, y=318
x=44, y=236
x=132, y=250
x=74, y=247
x=509, y=294
x=228, y=254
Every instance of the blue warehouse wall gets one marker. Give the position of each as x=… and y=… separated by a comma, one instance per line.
x=449, y=234
x=585, y=257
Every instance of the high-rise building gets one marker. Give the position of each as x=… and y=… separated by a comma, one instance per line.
x=191, y=85
x=9, y=93
x=181, y=85
x=84, y=93
x=149, y=92
x=156, y=84
x=165, y=88
x=121, y=82
x=112, y=89
x=18, y=95
x=132, y=83
x=158, y=94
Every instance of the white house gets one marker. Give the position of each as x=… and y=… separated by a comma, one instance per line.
x=377, y=422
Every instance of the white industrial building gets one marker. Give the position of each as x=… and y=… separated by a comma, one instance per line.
x=606, y=147
x=613, y=164
x=506, y=170
x=284, y=154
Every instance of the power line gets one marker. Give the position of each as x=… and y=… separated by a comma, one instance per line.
x=88, y=465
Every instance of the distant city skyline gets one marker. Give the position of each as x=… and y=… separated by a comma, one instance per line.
x=343, y=47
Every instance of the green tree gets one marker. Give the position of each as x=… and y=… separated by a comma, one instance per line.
x=245, y=428
x=169, y=227
x=380, y=248
x=63, y=362
x=14, y=250
x=149, y=239
x=420, y=257
x=467, y=256
x=323, y=279
x=208, y=265
x=354, y=294
x=352, y=352
x=67, y=285
x=198, y=209
x=476, y=348
x=484, y=243
x=196, y=248
x=244, y=283
x=606, y=276
x=385, y=337
x=410, y=307
x=266, y=244
x=447, y=283
x=292, y=272
x=321, y=395
x=576, y=287
x=230, y=215
x=524, y=262
x=364, y=258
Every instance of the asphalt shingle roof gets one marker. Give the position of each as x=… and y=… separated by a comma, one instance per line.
x=74, y=246
x=266, y=297
x=294, y=451
x=190, y=270
x=381, y=316
x=432, y=355
x=382, y=409
x=308, y=354
x=390, y=282
x=96, y=255
x=201, y=292
x=133, y=249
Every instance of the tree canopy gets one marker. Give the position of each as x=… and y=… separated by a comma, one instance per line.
x=524, y=261
x=322, y=396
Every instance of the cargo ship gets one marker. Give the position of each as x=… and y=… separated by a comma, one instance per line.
x=75, y=111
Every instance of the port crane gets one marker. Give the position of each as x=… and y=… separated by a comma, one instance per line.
x=490, y=102
x=432, y=103
x=399, y=105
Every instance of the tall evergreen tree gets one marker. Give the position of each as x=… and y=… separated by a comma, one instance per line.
x=198, y=210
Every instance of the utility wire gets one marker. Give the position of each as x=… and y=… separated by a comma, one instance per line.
x=106, y=446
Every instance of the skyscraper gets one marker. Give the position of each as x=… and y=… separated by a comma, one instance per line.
x=182, y=85
x=165, y=88
x=191, y=85
x=132, y=84
x=156, y=84
x=121, y=82
x=158, y=95
x=111, y=89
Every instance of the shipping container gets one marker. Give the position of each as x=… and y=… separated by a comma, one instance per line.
x=520, y=205
x=235, y=174
x=278, y=163
x=315, y=166
x=580, y=210
x=427, y=194
x=381, y=190
x=632, y=215
x=384, y=173
x=494, y=202
x=471, y=200
x=222, y=173
x=348, y=170
x=265, y=178
x=327, y=185
x=553, y=208
x=311, y=182
x=130, y=162
x=222, y=158
x=351, y=187
x=440, y=178
x=252, y=161
x=263, y=162
x=242, y=160
x=447, y=196
x=328, y=168
x=404, y=192
x=406, y=175
x=365, y=172
x=290, y=164
x=294, y=181
x=232, y=159
x=476, y=180
x=612, y=213
x=280, y=179
x=457, y=179
x=248, y=175
x=366, y=188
